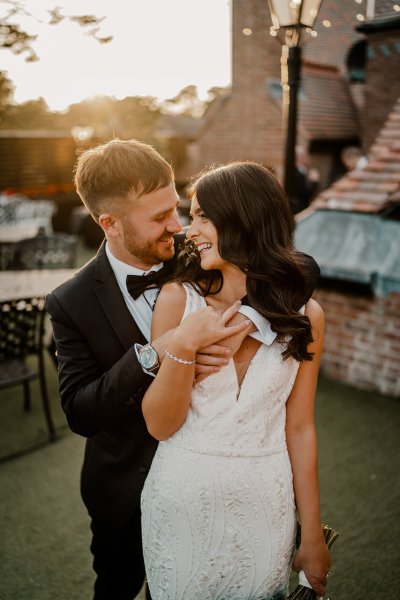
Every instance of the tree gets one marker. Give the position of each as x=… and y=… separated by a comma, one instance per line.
x=187, y=101
x=126, y=118
x=6, y=90
x=15, y=38
x=33, y=114
x=6, y=95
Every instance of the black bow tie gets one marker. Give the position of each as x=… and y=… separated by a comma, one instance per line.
x=137, y=284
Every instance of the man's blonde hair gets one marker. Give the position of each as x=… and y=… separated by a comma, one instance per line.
x=108, y=173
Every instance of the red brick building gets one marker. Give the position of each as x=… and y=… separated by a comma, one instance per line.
x=353, y=230
x=349, y=96
x=36, y=163
x=247, y=123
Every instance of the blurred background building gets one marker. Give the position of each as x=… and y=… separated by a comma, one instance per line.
x=349, y=102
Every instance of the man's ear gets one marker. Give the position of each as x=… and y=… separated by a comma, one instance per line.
x=109, y=224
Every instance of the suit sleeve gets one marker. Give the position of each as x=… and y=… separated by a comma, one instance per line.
x=93, y=398
x=312, y=273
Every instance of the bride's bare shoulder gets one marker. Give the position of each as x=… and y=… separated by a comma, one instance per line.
x=172, y=292
x=169, y=308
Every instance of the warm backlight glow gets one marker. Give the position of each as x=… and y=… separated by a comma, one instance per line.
x=158, y=48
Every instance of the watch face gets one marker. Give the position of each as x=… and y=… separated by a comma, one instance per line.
x=148, y=357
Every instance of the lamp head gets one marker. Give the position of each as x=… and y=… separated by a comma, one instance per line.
x=294, y=13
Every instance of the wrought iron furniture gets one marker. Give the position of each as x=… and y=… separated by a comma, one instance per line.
x=10, y=234
x=21, y=336
x=43, y=251
x=21, y=218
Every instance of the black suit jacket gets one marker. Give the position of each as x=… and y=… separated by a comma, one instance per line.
x=102, y=386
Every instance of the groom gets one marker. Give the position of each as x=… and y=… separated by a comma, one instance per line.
x=101, y=323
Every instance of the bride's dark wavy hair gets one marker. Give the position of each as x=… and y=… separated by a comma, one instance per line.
x=255, y=228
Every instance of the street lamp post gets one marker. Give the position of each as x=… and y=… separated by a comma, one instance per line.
x=290, y=115
x=293, y=16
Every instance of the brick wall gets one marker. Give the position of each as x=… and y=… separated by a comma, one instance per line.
x=382, y=82
x=362, y=342
x=36, y=166
x=247, y=125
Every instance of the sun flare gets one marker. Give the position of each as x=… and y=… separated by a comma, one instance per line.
x=157, y=49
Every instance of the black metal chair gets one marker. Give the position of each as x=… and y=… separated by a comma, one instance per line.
x=6, y=255
x=54, y=251
x=22, y=335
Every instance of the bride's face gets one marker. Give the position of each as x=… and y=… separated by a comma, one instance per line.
x=205, y=236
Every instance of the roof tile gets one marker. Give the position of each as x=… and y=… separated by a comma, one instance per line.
x=326, y=109
x=378, y=184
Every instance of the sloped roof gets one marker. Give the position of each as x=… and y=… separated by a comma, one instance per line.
x=173, y=126
x=326, y=109
x=214, y=110
x=384, y=14
x=385, y=9
x=195, y=161
x=353, y=247
x=377, y=186
x=331, y=45
x=348, y=243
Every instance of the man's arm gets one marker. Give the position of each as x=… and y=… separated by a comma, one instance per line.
x=92, y=397
x=210, y=359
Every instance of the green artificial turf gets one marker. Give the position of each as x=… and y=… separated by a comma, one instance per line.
x=44, y=543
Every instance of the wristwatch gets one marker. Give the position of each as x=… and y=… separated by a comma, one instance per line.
x=147, y=357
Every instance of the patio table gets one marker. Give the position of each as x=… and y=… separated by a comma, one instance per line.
x=32, y=283
x=10, y=234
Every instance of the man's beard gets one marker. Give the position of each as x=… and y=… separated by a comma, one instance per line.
x=147, y=252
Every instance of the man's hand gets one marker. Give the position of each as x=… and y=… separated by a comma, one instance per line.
x=210, y=359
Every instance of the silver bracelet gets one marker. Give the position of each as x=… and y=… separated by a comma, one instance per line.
x=179, y=360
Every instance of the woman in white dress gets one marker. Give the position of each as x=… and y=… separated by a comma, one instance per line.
x=237, y=455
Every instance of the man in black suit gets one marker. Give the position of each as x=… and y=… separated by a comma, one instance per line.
x=105, y=361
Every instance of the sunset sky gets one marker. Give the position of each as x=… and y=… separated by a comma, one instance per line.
x=159, y=47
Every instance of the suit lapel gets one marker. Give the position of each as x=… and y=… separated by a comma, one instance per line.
x=113, y=303
x=112, y=300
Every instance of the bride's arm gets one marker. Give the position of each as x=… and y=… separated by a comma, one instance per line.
x=162, y=415
x=313, y=556
x=166, y=402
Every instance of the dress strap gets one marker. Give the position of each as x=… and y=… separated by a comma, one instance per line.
x=194, y=300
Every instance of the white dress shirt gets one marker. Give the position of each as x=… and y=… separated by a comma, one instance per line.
x=141, y=309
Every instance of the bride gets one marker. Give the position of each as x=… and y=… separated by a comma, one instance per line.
x=238, y=454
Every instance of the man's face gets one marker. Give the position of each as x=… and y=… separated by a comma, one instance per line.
x=146, y=228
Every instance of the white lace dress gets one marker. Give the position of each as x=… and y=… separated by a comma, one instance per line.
x=218, y=513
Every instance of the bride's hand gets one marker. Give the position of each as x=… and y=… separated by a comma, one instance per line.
x=315, y=560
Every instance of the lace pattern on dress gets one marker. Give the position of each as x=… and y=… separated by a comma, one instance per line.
x=218, y=511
